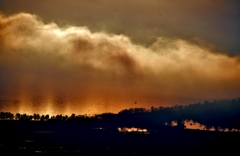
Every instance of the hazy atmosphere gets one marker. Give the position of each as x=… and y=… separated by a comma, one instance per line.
x=103, y=56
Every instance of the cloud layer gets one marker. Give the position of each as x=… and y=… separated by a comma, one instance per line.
x=48, y=69
x=216, y=21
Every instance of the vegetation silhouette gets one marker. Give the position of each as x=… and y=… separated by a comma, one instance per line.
x=99, y=134
x=219, y=114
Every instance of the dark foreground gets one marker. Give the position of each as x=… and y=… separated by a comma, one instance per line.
x=24, y=138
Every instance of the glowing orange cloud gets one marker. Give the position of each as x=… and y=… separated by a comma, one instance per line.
x=45, y=68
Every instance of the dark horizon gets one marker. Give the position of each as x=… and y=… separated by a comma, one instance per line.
x=217, y=115
x=133, y=131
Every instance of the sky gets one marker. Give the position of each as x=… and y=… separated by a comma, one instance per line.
x=88, y=57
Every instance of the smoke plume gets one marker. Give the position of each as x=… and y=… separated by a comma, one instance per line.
x=50, y=69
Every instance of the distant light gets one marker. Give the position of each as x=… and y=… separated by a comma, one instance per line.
x=133, y=129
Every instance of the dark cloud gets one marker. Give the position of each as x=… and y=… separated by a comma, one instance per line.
x=49, y=69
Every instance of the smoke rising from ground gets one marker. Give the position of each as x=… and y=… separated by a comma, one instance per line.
x=60, y=70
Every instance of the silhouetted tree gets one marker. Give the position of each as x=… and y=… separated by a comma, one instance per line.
x=72, y=116
x=42, y=118
x=17, y=116
x=6, y=116
x=46, y=117
x=36, y=117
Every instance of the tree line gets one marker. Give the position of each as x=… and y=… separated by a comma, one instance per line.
x=217, y=114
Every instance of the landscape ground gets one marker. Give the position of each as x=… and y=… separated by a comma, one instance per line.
x=88, y=141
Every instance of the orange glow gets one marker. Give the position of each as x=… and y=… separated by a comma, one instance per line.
x=195, y=125
x=133, y=129
x=53, y=70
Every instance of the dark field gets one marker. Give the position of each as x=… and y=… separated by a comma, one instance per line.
x=70, y=138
